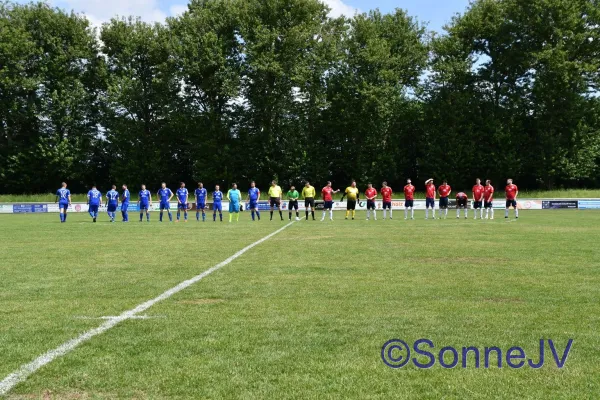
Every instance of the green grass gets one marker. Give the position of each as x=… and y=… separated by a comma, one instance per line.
x=304, y=314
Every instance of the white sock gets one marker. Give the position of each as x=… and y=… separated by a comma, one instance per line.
x=390, y=213
x=517, y=212
x=481, y=213
x=427, y=213
x=433, y=213
x=384, y=213
x=446, y=212
x=487, y=212
x=466, y=212
x=412, y=212
x=374, y=214
x=492, y=211
x=323, y=214
x=457, y=212
x=331, y=214
x=368, y=214
x=405, y=212
x=506, y=213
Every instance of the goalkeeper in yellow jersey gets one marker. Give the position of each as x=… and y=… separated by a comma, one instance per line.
x=352, y=194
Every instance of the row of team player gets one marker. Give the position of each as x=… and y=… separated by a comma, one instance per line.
x=482, y=199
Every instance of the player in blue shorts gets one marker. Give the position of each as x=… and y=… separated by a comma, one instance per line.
x=63, y=198
x=201, y=194
x=253, y=197
x=94, y=197
x=125, y=197
x=182, y=202
x=112, y=202
x=235, y=197
x=144, y=203
x=164, y=196
x=217, y=199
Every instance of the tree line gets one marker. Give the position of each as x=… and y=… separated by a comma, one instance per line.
x=241, y=90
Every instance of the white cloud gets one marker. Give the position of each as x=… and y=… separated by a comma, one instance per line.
x=338, y=8
x=178, y=9
x=99, y=11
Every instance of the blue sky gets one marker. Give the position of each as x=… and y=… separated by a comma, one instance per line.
x=436, y=12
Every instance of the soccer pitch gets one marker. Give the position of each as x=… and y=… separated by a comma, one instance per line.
x=304, y=313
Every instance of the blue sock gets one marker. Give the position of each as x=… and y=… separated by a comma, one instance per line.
x=61, y=217
x=221, y=217
x=170, y=216
x=197, y=215
x=185, y=215
x=141, y=216
x=65, y=217
x=178, y=215
x=148, y=216
x=214, y=217
x=203, y=216
x=160, y=219
x=252, y=213
x=258, y=215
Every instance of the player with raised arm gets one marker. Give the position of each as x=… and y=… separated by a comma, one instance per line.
x=353, y=196
x=182, y=202
x=63, y=198
x=444, y=191
x=478, y=190
x=292, y=196
x=112, y=202
x=200, y=194
x=371, y=194
x=308, y=193
x=164, y=196
x=93, y=199
x=327, y=193
x=386, y=194
x=235, y=198
x=253, y=198
x=144, y=202
x=462, y=201
x=125, y=197
x=409, y=199
x=429, y=198
x=217, y=197
x=275, y=198
x=488, y=198
x=512, y=191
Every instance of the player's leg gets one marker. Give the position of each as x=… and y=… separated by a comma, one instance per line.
x=290, y=206
x=507, y=207
x=324, y=212
x=280, y=211
x=178, y=212
x=374, y=213
x=516, y=209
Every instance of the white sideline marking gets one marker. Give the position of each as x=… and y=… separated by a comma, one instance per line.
x=116, y=316
x=21, y=374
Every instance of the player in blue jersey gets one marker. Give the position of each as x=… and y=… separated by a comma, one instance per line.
x=63, y=198
x=94, y=197
x=125, y=197
x=217, y=199
x=164, y=196
x=201, y=194
x=182, y=201
x=235, y=197
x=145, y=203
x=253, y=197
x=112, y=202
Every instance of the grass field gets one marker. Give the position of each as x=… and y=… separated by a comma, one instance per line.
x=303, y=314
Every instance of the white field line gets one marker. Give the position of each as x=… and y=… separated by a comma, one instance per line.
x=117, y=316
x=21, y=374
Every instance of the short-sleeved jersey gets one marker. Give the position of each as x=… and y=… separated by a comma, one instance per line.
x=94, y=197
x=234, y=195
x=478, y=192
x=488, y=193
x=63, y=195
x=126, y=196
x=164, y=194
x=217, y=196
x=511, y=191
x=182, y=195
x=386, y=193
x=444, y=190
x=253, y=194
x=308, y=192
x=200, y=195
x=461, y=195
x=144, y=196
x=293, y=195
x=430, y=191
x=370, y=193
x=275, y=191
x=327, y=193
x=409, y=192
x=113, y=196
x=351, y=193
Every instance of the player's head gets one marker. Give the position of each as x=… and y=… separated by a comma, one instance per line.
x=234, y=186
x=509, y=182
x=273, y=183
x=182, y=185
x=293, y=187
x=370, y=185
x=429, y=181
x=478, y=181
x=408, y=181
x=94, y=186
x=217, y=188
x=307, y=184
x=384, y=184
x=164, y=185
x=143, y=187
x=64, y=184
x=114, y=187
x=252, y=184
x=200, y=185
x=124, y=187
x=444, y=182
x=353, y=184
x=488, y=182
x=328, y=183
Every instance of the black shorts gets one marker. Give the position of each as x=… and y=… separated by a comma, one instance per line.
x=477, y=205
x=461, y=203
x=293, y=205
x=328, y=205
x=370, y=204
x=409, y=203
x=429, y=202
x=309, y=202
x=511, y=203
x=351, y=205
x=488, y=204
x=387, y=204
x=275, y=202
x=443, y=202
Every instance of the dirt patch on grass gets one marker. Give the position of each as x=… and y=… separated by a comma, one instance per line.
x=201, y=301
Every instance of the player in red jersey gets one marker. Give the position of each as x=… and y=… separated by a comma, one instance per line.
x=409, y=199
x=478, y=190
x=488, y=198
x=444, y=191
x=327, y=192
x=370, y=194
x=386, y=193
x=429, y=198
x=512, y=191
x=462, y=202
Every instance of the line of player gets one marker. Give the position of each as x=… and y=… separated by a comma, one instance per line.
x=482, y=200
